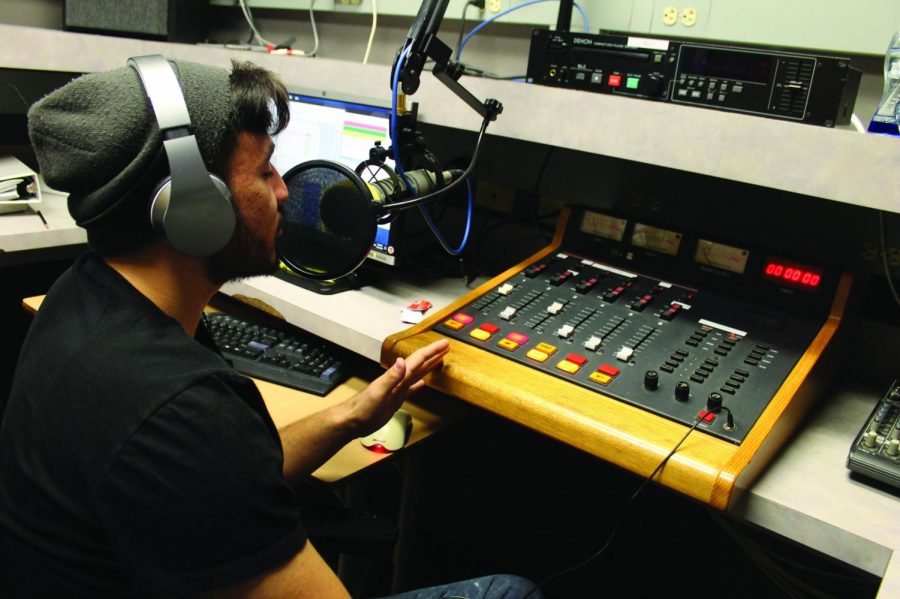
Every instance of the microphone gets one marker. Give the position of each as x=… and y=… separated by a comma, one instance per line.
x=340, y=205
x=344, y=210
x=330, y=219
x=421, y=181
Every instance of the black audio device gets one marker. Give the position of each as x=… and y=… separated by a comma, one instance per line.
x=806, y=88
x=876, y=450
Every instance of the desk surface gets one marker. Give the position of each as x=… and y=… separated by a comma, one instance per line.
x=806, y=494
x=23, y=231
x=430, y=412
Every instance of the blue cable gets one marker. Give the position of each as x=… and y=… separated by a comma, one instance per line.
x=478, y=28
x=395, y=85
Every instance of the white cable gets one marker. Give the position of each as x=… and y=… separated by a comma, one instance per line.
x=857, y=123
x=312, y=21
x=372, y=33
x=249, y=17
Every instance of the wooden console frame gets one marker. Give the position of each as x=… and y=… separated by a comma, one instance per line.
x=705, y=468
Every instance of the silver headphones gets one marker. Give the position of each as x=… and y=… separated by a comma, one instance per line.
x=191, y=207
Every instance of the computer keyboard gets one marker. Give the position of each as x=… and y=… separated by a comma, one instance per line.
x=294, y=359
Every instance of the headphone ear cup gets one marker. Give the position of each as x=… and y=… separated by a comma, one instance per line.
x=159, y=204
x=223, y=189
x=211, y=215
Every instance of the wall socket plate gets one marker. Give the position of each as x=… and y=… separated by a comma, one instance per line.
x=680, y=17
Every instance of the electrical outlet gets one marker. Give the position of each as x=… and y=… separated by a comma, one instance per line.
x=870, y=251
x=495, y=197
x=670, y=15
x=495, y=5
x=893, y=257
x=688, y=18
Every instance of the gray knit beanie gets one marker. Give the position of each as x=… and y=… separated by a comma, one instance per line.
x=97, y=139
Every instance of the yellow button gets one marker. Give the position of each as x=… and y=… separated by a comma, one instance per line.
x=569, y=367
x=508, y=344
x=480, y=334
x=599, y=377
x=453, y=324
x=546, y=348
x=537, y=355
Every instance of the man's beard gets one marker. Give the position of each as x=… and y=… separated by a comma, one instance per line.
x=243, y=256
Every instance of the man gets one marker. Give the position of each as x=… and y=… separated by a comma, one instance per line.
x=134, y=460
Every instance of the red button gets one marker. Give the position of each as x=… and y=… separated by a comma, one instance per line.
x=576, y=359
x=706, y=416
x=615, y=80
x=463, y=318
x=607, y=369
x=518, y=338
x=490, y=328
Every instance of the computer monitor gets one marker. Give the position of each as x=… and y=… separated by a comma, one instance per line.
x=19, y=89
x=339, y=129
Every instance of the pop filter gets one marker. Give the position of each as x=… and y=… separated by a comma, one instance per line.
x=328, y=221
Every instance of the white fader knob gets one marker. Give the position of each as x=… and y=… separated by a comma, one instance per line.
x=625, y=353
x=870, y=439
x=505, y=289
x=565, y=331
x=507, y=313
x=555, y=308
x=593, y=343
x=893, y=447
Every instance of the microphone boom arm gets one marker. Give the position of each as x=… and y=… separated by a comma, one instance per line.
x=423, y=43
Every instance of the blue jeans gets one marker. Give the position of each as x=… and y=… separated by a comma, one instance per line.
x=501, y=586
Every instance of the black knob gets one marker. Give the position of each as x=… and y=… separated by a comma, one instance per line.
x=682, y=391
x=714, y=402
x=651, y=380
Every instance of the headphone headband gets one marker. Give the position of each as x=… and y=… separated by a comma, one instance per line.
x=161, y=86
x=192, y=207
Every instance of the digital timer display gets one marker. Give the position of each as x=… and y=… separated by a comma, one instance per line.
x=791, y=273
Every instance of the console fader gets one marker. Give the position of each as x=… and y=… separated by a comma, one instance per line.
x=657, y=319
x=650, y=342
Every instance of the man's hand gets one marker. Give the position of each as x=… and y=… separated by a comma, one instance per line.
x=309, y=442
x=371, y=408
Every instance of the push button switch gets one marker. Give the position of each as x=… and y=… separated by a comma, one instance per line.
x=463, y=318
x=508, y=344
x=546, y=348
x=600, y=378
x=537, y=355
x=569, y=367
x=480, y=334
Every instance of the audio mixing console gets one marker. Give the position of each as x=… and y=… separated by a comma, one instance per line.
x=622, y=333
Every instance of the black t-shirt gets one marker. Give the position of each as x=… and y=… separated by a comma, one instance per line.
x=133, y=460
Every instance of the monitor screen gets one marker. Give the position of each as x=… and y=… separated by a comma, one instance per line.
x=19, y=89
x=340, y=130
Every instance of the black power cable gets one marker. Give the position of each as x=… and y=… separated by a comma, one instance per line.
x=619, y=517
